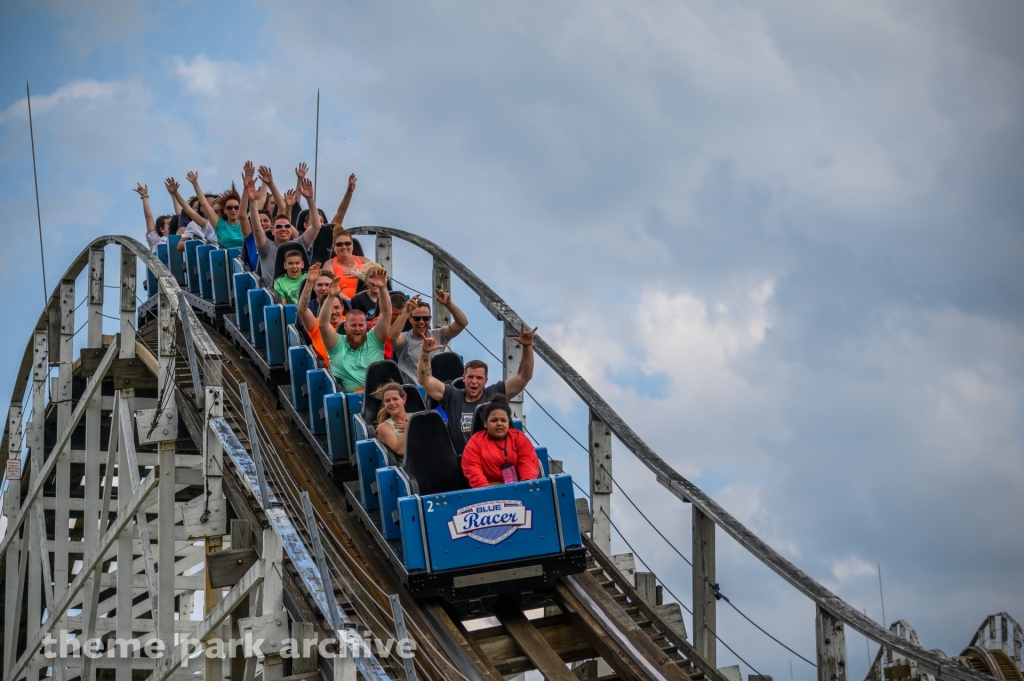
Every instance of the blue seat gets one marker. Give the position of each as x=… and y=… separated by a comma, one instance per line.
x=276, y=320
x=175, y=259
x=319, y=383
x=302, y=361
x=244, y=282
x=192, y=264
x=259, y=298
x=203, y=261
x=219, y=288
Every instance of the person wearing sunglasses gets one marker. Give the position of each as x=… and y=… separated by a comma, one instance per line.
x=344, y=264
x=407, y=344
x=227, y=224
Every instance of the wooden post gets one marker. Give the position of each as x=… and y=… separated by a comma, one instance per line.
x=12, y=503
x=511, y=357
x=302, y=632
x=36, y=544
x=125, y=542
x=601, y=483
x=383, y=248
x=704, y=603
x=442, y=279
x=273, y=595
x=241, y=538
x=62, y=398
x=94, y=524
x=165, y=494
x=831, y=638
x=212, y=469
x=128, y=265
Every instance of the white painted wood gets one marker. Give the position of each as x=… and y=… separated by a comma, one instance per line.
x=213, y=405
x=125, y=552
x=92, y=454
x=213, y=620
x=384, y=254
x=273, y=594
x=12, y=501
x=511, y=357
x=40, y=375
x=442, y=279
x=705, y=621
x=831, y=646
x=94, y=338
x=600, y=445
x=166, y=534
x=127, y=307
x=62, y=398
x=141, y=525
x=91, y=561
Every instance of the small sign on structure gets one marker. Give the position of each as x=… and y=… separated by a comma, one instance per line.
x=14, y=469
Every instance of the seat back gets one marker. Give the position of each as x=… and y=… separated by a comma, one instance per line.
x=431, y=463
x=446, y=366
x=413, y=399
x=377, y=374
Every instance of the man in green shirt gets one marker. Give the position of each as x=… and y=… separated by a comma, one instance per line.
x=352, y=353
x=289, y=284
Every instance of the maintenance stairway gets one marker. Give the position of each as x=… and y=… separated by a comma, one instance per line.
x=169, y=448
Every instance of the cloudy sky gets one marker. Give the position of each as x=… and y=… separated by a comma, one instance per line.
x=782, y=239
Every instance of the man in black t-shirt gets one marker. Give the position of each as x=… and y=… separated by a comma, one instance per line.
x=460, y=404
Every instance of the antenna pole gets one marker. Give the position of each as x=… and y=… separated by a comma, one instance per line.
x=316, y=151
x=35, y=177
x=881, y=596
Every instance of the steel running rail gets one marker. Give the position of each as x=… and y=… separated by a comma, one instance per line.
x=929, y=661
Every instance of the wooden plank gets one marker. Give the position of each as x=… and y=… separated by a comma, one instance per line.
x=559, y=632
x=831, y=646
x=647, y=587
x=533, y=645
x=600, y=449
x=705, y=621
x=301, y=666
x=225, y=568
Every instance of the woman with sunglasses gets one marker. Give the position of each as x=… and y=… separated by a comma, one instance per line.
x=229, y=226
x=344, y=264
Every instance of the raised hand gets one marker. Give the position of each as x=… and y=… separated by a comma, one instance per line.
x=442, y=297
x=352, y=182
x=378, y=278
x=307, y=187
x=192, y=176
x=290, y=198
x=429, y=345
x=314, y=272
x=171, y=185
x=250, y=189
x=265, y=175
x=335, y=289
x=412, y=304
x=301, y=171
x=142, y=189
x=248, y=171
x=525, y=336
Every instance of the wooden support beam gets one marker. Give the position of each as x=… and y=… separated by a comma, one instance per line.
x=128, y=443
x=62, y=442
x=558, y=631
x=240, y=591
x=442, y=279
x=382, y=246
x=705, y=622
x=90, y=564
x=511, y=358
x=601, y=483
x=12, y=501
x=532, y=643
x=128, y=292
x=831, y=640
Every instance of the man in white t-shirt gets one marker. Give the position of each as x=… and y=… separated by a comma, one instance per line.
x=407, y=344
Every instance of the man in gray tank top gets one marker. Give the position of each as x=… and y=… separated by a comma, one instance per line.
x=407, y=344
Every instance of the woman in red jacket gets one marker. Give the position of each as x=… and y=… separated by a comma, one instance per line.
x=499, y=454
